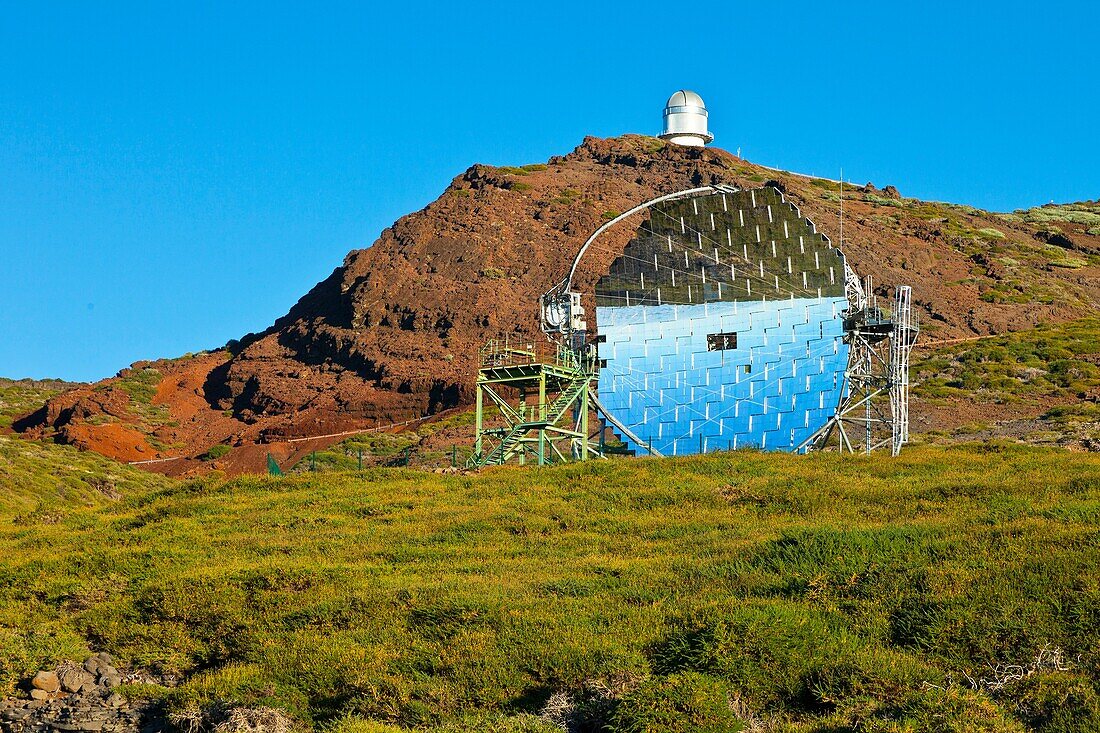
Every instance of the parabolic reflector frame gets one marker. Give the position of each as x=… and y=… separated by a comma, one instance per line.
x=721, y=324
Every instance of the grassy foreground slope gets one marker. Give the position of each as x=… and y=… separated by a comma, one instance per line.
x=818, y=593
x=40, y=480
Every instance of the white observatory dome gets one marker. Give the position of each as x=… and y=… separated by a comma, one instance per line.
x=686, y=120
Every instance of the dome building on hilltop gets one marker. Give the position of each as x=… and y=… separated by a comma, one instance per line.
x=686, y=120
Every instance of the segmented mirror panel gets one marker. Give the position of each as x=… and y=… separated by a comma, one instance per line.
x=721, y=325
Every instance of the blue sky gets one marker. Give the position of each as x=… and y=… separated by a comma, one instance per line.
x=176, y=175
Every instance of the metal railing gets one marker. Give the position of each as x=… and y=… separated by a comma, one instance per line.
x=503, y=351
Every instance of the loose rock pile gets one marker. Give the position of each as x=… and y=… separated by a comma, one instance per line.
x=78, y=697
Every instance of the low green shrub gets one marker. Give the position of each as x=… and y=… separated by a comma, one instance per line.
x=686, y=702
x=140, y=384
x=356, y=724
x=40, y=478
x=18, y=397
x=1077, y=412
x=1050, y=360
x=950, y=710
x=881, y=201
x=218, y=451
x=790, y=658
x=1081, y=213
x=246, y=685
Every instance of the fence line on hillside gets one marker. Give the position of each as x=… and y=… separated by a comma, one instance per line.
x=155, y=460
x=348, y=433
x=942, y=342
x=316, y=437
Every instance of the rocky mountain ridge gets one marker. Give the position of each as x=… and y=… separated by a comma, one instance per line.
x=393, y=332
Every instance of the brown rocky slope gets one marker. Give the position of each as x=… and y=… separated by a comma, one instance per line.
x=393, y=333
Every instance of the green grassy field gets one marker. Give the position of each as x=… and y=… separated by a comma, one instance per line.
x=779, y=593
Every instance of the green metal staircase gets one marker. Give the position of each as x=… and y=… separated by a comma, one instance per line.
x=512, y=440
x=545, y=431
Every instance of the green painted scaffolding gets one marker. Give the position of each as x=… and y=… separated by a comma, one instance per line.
x=532, y=409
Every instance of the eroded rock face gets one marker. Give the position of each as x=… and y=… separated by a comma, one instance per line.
x=394, y=331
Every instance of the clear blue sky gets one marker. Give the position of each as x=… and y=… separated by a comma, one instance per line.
x=176, y=175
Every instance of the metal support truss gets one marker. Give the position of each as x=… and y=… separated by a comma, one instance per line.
x=853, y=289
x=529, y=409
x=873, y=411
x=901, y=344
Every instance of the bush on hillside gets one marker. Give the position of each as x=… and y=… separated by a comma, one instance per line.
x=218, y=451
x=686, y=702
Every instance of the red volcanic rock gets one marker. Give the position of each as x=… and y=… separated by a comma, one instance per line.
x=394, y=331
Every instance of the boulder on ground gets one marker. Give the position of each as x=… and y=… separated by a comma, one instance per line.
x=46, y=681
x=73, y=678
